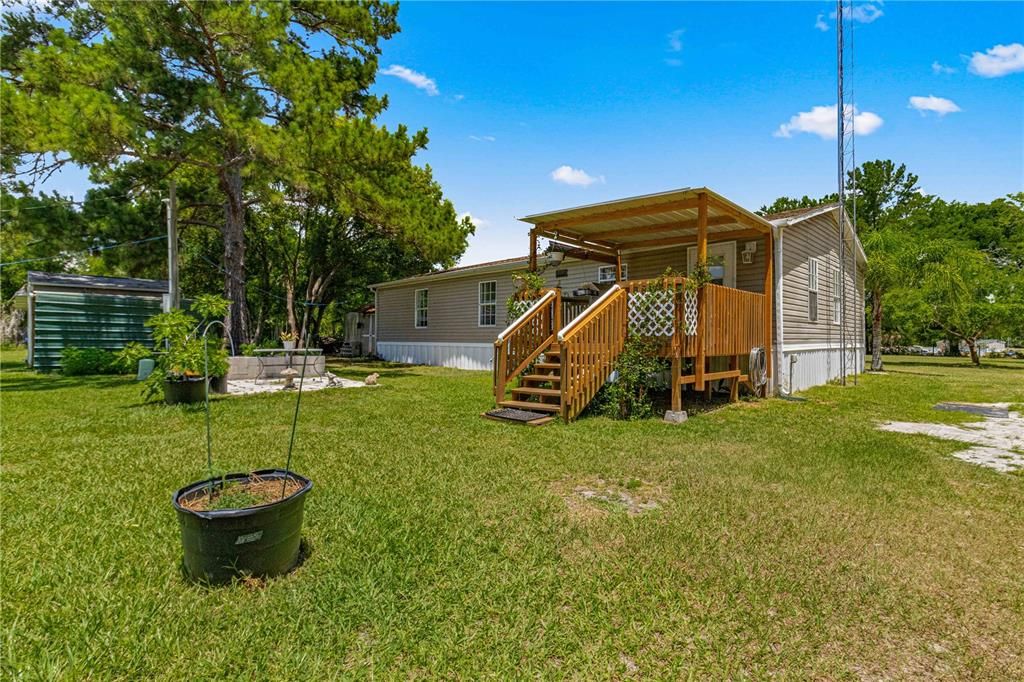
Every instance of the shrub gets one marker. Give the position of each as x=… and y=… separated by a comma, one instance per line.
x=82, y=361
x=638, y=369
x=126, y=360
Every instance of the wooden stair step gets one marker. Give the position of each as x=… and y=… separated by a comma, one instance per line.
x=553, y=378
x=530, y=405
x=548, y=365
x=531, y=390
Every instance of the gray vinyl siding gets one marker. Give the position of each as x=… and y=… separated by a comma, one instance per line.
x=817, y=238
x=453, y=312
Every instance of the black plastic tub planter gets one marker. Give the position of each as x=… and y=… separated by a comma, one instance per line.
x=223, y=544
x=185, y=390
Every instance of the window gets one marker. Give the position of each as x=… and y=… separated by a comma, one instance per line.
x=488, y=303
x=421, y=308
x=606, y=273
x=812, y=289
x=721, y=262
x=564, y=272
x=837, y=298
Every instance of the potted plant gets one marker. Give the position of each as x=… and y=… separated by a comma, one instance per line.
x=241, y=524
x=181, y=366
x=288, y=340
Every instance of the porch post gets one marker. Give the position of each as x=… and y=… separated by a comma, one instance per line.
x=533, y=251
x=677, y=389
x=769, y=307
x=702, y=259
x=618, y=266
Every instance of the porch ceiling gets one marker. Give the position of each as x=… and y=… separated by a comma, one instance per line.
x=649, y=221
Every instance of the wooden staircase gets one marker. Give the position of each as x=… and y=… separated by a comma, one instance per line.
x=540, y=389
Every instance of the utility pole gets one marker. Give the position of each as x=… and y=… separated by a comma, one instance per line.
x=174, y=293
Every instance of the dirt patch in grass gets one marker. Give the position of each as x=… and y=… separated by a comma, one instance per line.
x=243, y=494
x=595, y=496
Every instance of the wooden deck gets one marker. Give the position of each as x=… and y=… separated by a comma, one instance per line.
x=708, y=332
x=560, y=370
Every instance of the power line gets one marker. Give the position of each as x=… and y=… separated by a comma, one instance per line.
x=86, y=252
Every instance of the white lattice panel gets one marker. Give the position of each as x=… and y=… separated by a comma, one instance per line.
x=690, y=312
x=652, y=313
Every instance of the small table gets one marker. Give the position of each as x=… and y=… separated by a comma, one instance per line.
x=263, y=353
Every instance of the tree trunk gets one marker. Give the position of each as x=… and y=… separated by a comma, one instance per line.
x=314, y=332
x=237, y=319
x=289, y=302
x=876, y=330
x=953, y=347
x=973, y=347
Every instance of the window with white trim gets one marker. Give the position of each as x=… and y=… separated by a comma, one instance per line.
x=606, y=273
x=812, y=289
x=422, y=301
x=837, y=297
x=487, y=302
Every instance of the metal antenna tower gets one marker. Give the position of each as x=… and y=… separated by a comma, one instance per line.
x=846, y=164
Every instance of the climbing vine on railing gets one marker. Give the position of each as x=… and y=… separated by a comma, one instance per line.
x=528, y=288
x=700, y=277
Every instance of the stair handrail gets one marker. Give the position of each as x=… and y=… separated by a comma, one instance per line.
x=588, y=359
x=519, y=321
x=548, y=303
x=592, y=309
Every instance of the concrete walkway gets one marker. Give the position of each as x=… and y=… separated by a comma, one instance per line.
x=998, y=442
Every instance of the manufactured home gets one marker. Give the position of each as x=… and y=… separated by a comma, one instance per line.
x=775, y=306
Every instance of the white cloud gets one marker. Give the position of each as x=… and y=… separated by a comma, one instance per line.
x=822, y=121
x=675, y=40
x=998, y=61
x=939, y=105
x=483, y=138
x=477, y=222
x=414, y=78
x=458, y=98
x=574, y=176
x=864, y=13
x=674, y=62
x=939, y=69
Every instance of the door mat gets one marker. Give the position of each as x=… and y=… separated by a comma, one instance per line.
x=509, y=414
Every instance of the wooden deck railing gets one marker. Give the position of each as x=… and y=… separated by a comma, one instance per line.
x=525, y=339
x=734, y=321
x=590, y=344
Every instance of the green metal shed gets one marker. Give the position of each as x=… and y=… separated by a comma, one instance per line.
x=86, y=311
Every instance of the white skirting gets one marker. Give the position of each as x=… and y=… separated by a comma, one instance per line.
x=816, y=364
x=478, y=356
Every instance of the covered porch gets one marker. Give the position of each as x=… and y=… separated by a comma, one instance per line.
x=702, y=321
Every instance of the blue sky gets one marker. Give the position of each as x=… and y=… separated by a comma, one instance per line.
x=647, y=97
x=532, y=107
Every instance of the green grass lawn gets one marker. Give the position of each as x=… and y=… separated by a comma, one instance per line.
x=792, y=539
